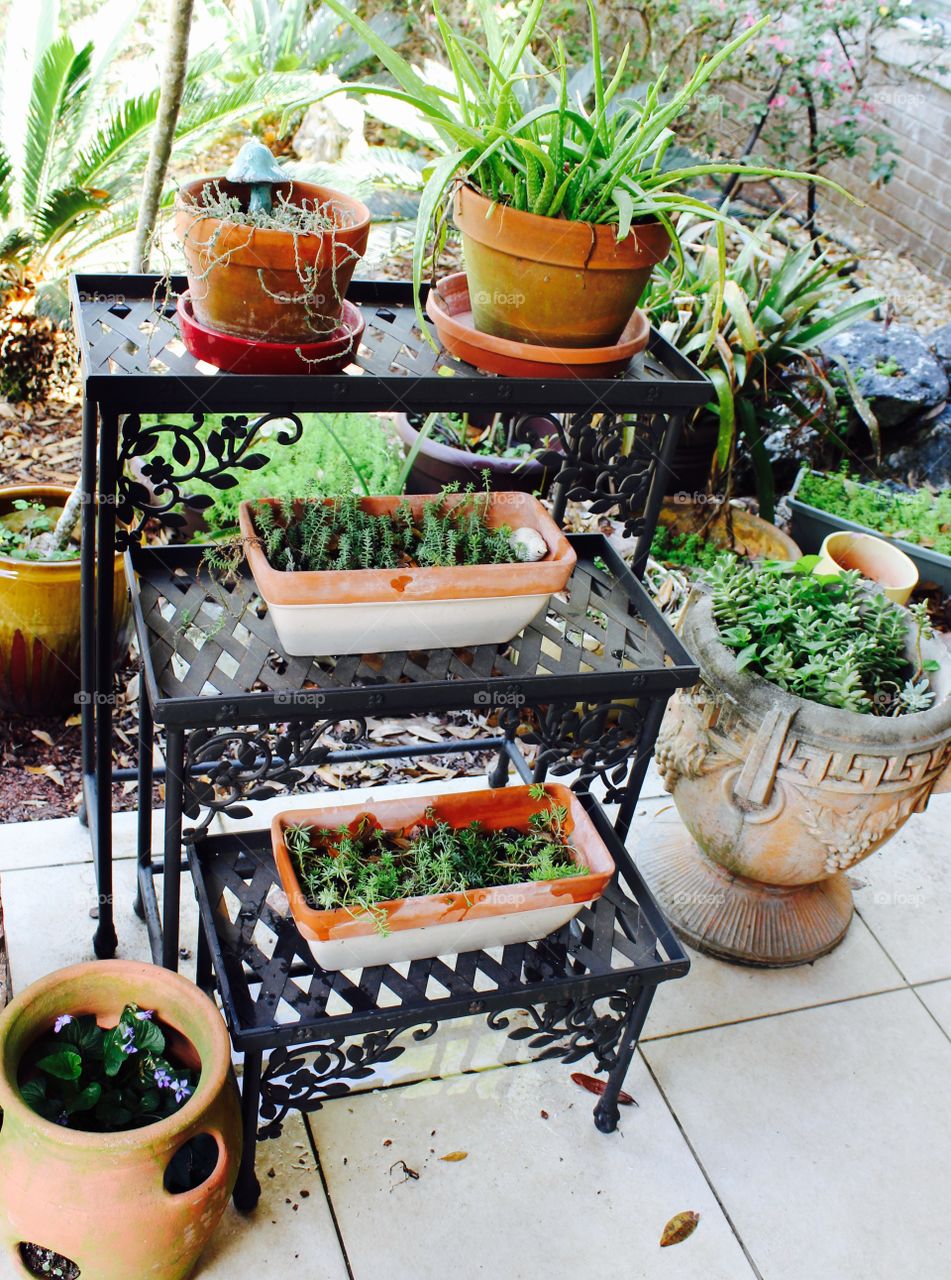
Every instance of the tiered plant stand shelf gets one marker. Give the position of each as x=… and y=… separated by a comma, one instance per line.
x=584, y=687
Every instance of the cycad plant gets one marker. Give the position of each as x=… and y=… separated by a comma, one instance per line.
x=510, y=127
x=750, y=322
x=72, y=184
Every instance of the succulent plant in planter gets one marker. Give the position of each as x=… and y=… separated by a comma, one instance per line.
x=822, y=722
x=415, y=879
x=382, y=574
x=563, y=211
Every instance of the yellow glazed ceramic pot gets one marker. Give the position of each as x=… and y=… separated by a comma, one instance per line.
x=39, y=619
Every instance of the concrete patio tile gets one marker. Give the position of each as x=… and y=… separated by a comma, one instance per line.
x=714, y=992
x=826, y=1134
x=937, y=998
x=534, y=1198
x=48, y=926
x=905, y=898
x=291, y=1232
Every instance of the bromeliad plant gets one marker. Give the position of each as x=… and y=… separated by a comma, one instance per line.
x=748, y=325
x=361, y=865
x=106, y=1081
x=509, y=128
x=825, y=639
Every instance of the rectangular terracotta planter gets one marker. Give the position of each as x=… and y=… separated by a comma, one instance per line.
x=388, y=610
x=444, y=924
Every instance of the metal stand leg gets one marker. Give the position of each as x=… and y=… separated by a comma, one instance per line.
x=144, y=845
x=87, y=612
x=499, y=775
x=105, y=940
x=606, y=1113
x=247, y=1190
x=174, y=789
x=203, y=972
x=645, y=750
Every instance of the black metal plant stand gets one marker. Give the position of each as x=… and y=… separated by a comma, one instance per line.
x=584, y=687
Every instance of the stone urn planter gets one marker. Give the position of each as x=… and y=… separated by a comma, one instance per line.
x=779, y=798
x=101, y=1199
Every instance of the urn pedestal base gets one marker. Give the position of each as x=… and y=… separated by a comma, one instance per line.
x=737, y=919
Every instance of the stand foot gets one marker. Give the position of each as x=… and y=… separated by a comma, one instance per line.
x=247, y=1192
x=105, y=941
x=737, y=919
x=82, y=814
x=138, y=906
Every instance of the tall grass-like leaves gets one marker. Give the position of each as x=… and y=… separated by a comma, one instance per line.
x=746, y=323
x=551, y=157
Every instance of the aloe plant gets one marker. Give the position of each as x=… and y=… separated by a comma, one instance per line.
x=556, y=158
x=746, y=323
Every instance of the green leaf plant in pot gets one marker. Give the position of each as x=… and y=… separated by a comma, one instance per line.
x=564, y=211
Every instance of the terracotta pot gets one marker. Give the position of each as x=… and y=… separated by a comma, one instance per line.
x=446, y=923
x=39, y=620
x=438, y=464
x=876, y=559
x=552, y=282
x=752, y=536
x=779, y=797
x=247, y=282
x=389, y=610
x=98, y=1198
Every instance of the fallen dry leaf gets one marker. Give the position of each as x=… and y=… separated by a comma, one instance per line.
x=43, y=737
x=594, y=1085
x=679, y=1228
x=454, y=1156
x=73, y=721
x=48, y=771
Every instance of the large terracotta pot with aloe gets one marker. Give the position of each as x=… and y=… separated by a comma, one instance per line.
x=121, y=1132
x=780, y=795
x=564, y=209
x=39, y=604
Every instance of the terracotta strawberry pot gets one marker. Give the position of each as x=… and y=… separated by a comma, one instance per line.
x=99, y=1198
x=254, y=283
x=779, y=798
x=389, y=610
x=548, y=281
x=447, y=923
x=39, y=620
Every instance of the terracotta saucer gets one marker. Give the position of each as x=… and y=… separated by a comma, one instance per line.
x=449, y=309
x=239, y=355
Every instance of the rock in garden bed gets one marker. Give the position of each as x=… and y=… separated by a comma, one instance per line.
x=895, y=369
x=926, y=456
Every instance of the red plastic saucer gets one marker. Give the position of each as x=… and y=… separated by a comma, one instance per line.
x=330, y=354
x=450, y=310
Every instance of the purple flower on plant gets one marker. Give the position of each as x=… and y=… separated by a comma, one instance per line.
x=162, y=1079
x=129, y=1046
x=144, y=1015
x=63, y=1020
x=182, y=1090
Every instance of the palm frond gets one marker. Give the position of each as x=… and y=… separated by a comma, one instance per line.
x=57, y=79
x=56, y=216
x=6, y=184
x=129, y=123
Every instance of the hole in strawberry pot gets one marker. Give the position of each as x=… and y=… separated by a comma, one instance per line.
x=40, y=1261
x=192, y=1164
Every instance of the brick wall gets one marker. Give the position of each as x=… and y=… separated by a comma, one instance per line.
x=911, y=214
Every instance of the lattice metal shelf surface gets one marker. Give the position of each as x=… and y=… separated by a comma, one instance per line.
x=133, y=358
x=274, y=993
x=212, y=655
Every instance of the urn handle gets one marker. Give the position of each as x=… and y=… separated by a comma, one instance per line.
x=754, y=785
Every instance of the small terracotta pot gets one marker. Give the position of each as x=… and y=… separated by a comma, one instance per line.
x=875, y=558
x=251, y=283
x=548, y=281
x=446, y=923
x=39, y=620
x=388, y=610
x=98, y=1198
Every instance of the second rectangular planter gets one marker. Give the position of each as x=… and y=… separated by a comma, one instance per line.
x=388, y=610
x=446, y=923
